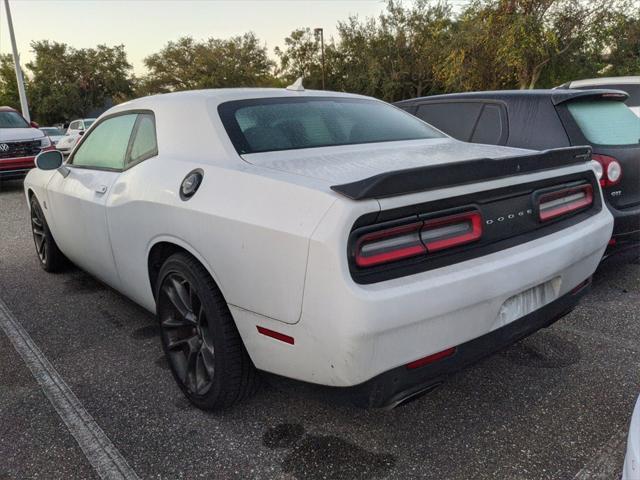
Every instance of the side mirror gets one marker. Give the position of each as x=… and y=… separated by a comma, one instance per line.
x=34, y=124
x=81, y=132
x=49, y=160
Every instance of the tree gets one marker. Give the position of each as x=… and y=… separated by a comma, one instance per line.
x=8, y=85
x=67, y=82
x=215, y=63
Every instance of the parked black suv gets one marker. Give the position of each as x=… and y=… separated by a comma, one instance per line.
x=543, y=119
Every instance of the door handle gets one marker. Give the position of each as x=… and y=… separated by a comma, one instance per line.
x=101, y=189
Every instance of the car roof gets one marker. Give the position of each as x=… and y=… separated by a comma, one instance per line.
x=221, y=95
x=7, y=109
x=557, y=96
x=631, y=79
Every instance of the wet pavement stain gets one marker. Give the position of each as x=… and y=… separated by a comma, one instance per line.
x=543, y=350
x=317, y=457
x=283, y=436
x=148, y=331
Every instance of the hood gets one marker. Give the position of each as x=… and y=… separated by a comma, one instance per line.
x=19, y=134
x=349, y=163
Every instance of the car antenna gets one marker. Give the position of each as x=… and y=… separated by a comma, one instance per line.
x=296, y=86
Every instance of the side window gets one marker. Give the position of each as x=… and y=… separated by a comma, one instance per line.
x=74, y=126
x=453, y=118
x=490, y=128
x=106, y=146
x=144, y=143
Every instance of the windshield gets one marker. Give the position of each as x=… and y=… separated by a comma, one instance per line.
x=12, y=120
x=273, y=124
x=53, y=131
x=606, y=122
x=87, y=123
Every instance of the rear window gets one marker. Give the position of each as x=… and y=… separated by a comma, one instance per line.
x=274, y=124
x=606, y=122
x=12, y=120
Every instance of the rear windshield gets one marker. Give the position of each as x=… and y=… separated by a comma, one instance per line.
x=273, y=124
x=12, y=120
x=606, y=122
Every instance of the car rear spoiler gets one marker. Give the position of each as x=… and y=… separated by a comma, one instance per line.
x=430, y=177
x=561, y=96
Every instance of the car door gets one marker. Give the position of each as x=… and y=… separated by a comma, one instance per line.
x=78, y=200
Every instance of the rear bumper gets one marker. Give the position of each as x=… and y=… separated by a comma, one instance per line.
x=626, y=223
x=349, y=334
x=400, y=384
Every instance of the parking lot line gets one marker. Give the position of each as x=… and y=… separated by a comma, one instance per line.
x=103, y=456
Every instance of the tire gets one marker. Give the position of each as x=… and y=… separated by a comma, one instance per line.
x=199, y=337
x=51, y=258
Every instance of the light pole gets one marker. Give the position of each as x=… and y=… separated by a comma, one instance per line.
x=319, y=32
x=24, y=106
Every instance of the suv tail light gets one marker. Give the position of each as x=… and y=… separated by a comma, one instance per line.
x=609, y=171
x=561, y=202
x=417, y=238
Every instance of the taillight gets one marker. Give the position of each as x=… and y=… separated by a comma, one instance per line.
x=389, y=245
x=610, y=170
x=451, y=231
x=561, y=202
x=417, y=238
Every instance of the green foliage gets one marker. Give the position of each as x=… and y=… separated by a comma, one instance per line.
x=8, y=84
x=67, y=83
x=411, y=49
x=187, y=64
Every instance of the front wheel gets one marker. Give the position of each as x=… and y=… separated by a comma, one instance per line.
x=50, y=256
x=200, y=340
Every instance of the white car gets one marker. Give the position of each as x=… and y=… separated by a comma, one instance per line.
x=74, y=132
x=54, y=133
x=325, y=237
x=631, y=469
x=629, y=84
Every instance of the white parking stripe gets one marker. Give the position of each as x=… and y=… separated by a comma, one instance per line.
x=101, y=453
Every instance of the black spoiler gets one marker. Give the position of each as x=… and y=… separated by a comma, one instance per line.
x=411, y=180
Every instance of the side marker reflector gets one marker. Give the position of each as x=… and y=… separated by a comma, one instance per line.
x=277, y=335
x=431, y=358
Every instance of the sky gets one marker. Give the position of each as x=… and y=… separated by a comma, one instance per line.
x=145, y=26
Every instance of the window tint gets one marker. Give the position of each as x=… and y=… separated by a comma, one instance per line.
x=144, y=143
x=489, y=128
x=606, y=122
x=272, y=124
x=106, y=145
x=453, y=118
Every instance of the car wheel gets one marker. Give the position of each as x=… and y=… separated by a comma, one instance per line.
x=50, y=256
x=199, y=337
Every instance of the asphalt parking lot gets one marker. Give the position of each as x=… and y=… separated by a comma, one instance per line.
x=554, y=406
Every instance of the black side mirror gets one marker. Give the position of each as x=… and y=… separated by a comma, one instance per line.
x=49, y=160
x=81, y=132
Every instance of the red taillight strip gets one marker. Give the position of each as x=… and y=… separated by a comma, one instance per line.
x=472, y=235
x=421, y=362
x=563, y=208
x=277, y=335
x=388, y=256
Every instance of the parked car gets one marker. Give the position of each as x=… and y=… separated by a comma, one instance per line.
x=630, y=84
x=20, y=142
x=631, y=469
x=325, y=237
x=541, y=119
x=54, y=133
x=74, y=132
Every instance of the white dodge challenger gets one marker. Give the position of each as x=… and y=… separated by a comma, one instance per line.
x=324, y=237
